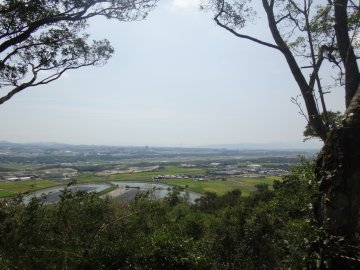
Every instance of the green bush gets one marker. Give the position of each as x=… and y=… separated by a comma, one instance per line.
x=271, y=229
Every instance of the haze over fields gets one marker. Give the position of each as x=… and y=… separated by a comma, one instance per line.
x=176, y=79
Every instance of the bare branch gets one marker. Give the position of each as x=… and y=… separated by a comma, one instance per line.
x=216, y=18
x=306, y=91
x=283, y=18
x=297, y=7
x=19, y=89
x=49, y=38
x=298, y=104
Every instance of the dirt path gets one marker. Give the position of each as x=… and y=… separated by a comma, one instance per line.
x=115, y=193
x=122, y=196
x=243, y=184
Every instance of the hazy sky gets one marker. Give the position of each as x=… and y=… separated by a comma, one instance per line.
x=175, y=79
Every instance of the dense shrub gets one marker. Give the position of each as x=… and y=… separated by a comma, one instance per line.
x=271, y=229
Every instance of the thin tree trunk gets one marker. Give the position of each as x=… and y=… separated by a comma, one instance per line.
x=352, y=76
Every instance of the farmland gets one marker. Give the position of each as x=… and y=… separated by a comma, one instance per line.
x=13, y=188
x=245, y=184
x=25, y=168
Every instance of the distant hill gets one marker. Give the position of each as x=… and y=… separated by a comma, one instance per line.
x=243, y=149
x=315, y=146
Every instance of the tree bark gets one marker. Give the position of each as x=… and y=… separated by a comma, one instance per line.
x=338, y=164
x=352, y=76
x=307, y=92
x=338, y=171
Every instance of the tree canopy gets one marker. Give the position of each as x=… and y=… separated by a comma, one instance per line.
x=309, y=34
x=41, y=40
x=270, y=229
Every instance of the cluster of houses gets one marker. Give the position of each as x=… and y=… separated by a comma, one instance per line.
x=171, y=176
x=251, y=169
x=157, y=178
x=129, y=170
x=219, y=172
x=53, y=173
x=216, y=171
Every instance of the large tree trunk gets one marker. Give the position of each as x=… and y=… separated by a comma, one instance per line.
x=338, y=171
x=338, y=165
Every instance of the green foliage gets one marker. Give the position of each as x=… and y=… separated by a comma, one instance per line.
x=211, y=202
x=333, y=120
x=40, y=40
x=271, y=229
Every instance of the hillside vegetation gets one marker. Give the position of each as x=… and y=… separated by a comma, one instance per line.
x=270, y=229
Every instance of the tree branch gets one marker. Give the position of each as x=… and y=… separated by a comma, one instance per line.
x=18, y=89
x=216, y=18
x=306, y=91
x=352, y=77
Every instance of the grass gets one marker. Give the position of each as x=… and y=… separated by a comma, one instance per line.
x=246, y=185
x=261, y=180
x=107, y=190
x=89, y=178
x=19, y=166
x=147, y=176
x=13, y=188
x=219, y=187
x=6, y=193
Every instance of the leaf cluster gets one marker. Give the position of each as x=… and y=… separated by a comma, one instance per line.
x=333, y=118
x=41, y=40
x=271, y=229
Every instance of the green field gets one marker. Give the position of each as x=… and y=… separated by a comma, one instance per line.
x=5, y=193
x=147, y=176
x=246, y=185
x=20, y=166
x=140, y=176
x=13, y=188
x=89, y=178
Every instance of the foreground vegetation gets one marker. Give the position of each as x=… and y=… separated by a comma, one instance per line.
x=270, y=229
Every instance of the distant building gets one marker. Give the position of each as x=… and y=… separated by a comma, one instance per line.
x=20, y=178
x=254, y=167
x=59, y=173
x=215, y=164
x=187, y=165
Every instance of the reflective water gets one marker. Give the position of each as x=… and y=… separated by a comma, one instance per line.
x=157, y=190
x=53, y=194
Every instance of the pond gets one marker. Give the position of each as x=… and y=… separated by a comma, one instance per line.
x=157, y=190
x=53, y=194
x=125, y=192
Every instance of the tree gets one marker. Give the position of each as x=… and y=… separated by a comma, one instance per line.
x=41, y=40
x=318, y=32
x=333, y=118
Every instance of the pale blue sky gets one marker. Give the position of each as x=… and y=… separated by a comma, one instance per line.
x=176, y=79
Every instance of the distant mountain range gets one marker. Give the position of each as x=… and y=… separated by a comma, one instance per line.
x=313, y=145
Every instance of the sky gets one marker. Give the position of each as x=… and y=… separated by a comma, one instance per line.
x=176, y=79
